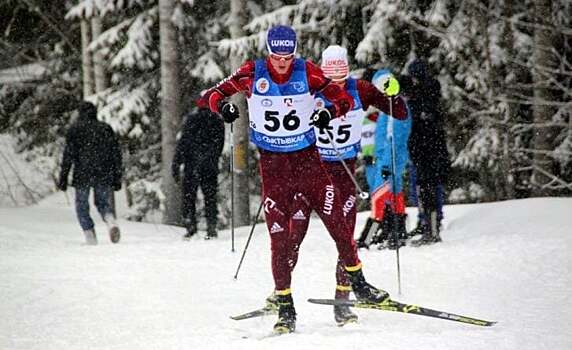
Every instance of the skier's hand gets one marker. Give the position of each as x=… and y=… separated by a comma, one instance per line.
x=368, y=160
x=320, y=118
x=229, y=112
x=385, y=172
x=63, y=184
x=390, y=86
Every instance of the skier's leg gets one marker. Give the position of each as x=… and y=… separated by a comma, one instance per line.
x=326, y=200
x=102, y=198
x=82, y=212
x=277, y=195
x=209, y=186
x=190, y=187
x=428, y=198
x=299, y=222
x=440, y=202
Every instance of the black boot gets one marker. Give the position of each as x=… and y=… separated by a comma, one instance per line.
x=211, y=232
x=342, y=313
x=365, y=291
x=286, y=315
x=430, y=232
x=401, y=232
x=191, y=229
x=418, y=230
x=361, y=242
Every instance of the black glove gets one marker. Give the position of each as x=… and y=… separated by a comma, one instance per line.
x=321, y=118
x=229, y=112
x=117, y=185
x=385, y=172
x=63, y=184
x=368, y=160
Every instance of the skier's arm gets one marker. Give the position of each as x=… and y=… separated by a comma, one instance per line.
x=340, y=98
x=239, y=81
x=179, y=155
x=431, y=99
x=68, y=156
x=219, y=137
x=371, y=96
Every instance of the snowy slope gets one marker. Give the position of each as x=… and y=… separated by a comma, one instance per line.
x=508, y=261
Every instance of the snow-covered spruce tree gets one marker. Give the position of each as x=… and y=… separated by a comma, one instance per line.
x=37, y=104
x=129, y=45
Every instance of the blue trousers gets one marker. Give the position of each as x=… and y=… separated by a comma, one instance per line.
x=102, y=195
x=439, y=192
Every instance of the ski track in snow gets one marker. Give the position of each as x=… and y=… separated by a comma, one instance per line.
x=507, y=261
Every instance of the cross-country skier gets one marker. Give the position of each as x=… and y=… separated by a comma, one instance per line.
x=387, y=199
x=280, y=91
x=345, y=132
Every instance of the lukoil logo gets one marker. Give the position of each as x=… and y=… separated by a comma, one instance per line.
x=289, y=43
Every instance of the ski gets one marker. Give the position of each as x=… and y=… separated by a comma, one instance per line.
x=396, y=306
x=267, y=310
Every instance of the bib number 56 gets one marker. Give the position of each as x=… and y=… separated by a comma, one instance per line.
x=290, y=121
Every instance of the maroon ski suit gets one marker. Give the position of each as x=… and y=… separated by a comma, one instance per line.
x=286, y=174
x=369, y=96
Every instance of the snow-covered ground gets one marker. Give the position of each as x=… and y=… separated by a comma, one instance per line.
x=509, y=261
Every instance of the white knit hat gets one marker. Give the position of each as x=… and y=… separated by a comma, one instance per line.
x=335, y=63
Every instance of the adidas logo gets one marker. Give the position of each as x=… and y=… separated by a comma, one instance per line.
x=276, y=228
x=299, y=215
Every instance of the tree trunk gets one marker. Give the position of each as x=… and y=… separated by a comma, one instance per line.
x=240, y=128
x=86, y=61
x=101, y=81
x=170, y=110
x=543, y=137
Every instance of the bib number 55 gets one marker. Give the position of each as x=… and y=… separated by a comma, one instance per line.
x=343, y=134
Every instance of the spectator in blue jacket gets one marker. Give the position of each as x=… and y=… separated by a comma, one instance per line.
x=387, y=199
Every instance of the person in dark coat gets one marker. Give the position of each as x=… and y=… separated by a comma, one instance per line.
x=199, y=150
x=427, y=148
x=92, y=150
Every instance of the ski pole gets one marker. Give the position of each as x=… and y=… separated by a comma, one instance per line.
x=394, y=194
x=232, y=186
x=248, y=240
x=362, y=193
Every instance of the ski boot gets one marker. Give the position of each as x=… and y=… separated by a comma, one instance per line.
x=90, y=237
x=286, y=314
x=430, y=233
x=211, y=233
x=191, y=230
x=361, y=242
x=272, y=301
x=342, y=313
x=401, y=240
x=114, y=234
x=364, y=291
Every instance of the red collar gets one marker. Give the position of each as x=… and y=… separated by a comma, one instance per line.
x=277, y=77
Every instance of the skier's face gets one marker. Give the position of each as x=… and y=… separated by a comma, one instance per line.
x=281, y=63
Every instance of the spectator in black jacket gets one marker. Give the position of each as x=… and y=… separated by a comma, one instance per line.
x=199, y=150
x=427, y=148
x=93, y=150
